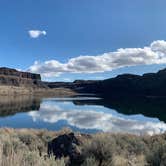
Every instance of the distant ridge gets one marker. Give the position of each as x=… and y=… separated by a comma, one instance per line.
x=149, y=84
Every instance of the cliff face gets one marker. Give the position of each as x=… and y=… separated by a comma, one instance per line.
x=150, y=84
x=81, y=86
x=13, y=77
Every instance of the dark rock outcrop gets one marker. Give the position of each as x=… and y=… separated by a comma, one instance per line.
x=65, y=146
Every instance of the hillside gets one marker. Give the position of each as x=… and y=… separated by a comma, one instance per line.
x=149, y=84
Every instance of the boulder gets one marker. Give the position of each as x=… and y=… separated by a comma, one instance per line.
x=65, y=145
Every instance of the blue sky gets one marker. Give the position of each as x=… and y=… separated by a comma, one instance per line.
x=78, y=27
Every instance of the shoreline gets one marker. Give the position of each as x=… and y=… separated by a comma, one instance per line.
x=6, y=90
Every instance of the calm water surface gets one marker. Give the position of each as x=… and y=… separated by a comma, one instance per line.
x=84, y=114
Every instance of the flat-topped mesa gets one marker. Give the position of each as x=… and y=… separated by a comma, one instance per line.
x=14, y=72
x=18, y=78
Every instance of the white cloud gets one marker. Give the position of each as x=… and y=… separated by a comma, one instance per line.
x=51, y=112
x=36, y=33
x=153, y=54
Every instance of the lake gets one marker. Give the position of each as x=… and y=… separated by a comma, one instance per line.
x=85, y=114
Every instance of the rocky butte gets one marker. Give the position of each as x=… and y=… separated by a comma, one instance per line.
x=13, y=82
x=18, y=78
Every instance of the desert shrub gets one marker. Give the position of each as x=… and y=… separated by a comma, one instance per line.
x=33, y=142
x=90, y=161
x=100, y=147
x=157, y=155
x=22, y=149
x=33, y=159
x=25, y=157
x=29, y=140
x=129, y=144
x=119, y=161
x=29, y=148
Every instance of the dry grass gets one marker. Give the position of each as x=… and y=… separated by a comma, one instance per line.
x=106, y=149
x=28, y=147
x=21, y=90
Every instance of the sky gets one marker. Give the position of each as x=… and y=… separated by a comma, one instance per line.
x=83, y=39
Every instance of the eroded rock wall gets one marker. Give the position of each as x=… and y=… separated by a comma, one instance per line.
x=13, y=77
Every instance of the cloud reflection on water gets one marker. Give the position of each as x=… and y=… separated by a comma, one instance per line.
x=94, y=119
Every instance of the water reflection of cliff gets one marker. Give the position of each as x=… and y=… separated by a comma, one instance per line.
x=12, y=105
x=148, y=106
x=55, y=112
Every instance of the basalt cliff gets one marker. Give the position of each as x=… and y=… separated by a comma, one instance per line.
x=13, y=77
x=149, y=84
x=13, y=82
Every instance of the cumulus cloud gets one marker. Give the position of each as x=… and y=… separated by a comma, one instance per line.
x=90, y=118
x=36, y=33
x=153, y=54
